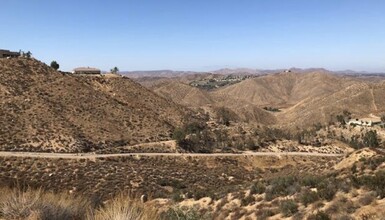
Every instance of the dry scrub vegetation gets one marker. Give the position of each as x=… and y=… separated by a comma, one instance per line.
x=161, y=177
x=247, y=188
x=45, y=110
x=40, y=205
x=170, y=179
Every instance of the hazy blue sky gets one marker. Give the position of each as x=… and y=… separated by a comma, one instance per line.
x=198, y=34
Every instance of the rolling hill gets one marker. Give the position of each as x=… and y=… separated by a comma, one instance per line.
x=42, y=109
x=304, y=98
x=184, y=94
x=361, y=99
x=285, y=89
x=193, y=97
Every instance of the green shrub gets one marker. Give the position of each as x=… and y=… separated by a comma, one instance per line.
x=225, y=115
x=184, y=214
x=55, y=65
x=375, y=183
x=194, y=137
x=247, y=200
x=308, y=197
x=177, y=197
x=311, y=180
x=179, y=135
x=257, y=188
x=320, y=215
x=327, y=189
x=282, y=186
x=370, y=139
x=265, y=213
x=198, y=194
x=367, y=199
x=271, y=109
x=288, y=207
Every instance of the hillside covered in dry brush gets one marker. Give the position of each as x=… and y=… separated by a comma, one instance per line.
x=45, y=110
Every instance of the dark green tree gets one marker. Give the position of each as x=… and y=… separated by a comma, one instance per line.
x=370, y=139
x=341, y=119
x=346, y=113
x=179, y=135
x=224, y=116
x=28, y=54
x=55, y=65
x=114, y=70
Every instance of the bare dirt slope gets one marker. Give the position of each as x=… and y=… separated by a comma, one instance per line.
x=184, y=94
x=285, y=89
x=42, y=109
x=361, y=99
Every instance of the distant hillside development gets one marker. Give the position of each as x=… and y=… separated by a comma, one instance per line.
x=44, y=110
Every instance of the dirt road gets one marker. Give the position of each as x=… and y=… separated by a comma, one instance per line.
x=92, y=156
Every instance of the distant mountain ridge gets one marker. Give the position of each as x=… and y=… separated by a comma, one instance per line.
x=240, y=71
x=157, y=73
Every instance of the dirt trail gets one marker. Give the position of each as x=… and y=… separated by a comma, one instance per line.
x=93, y=156
x=374, y=102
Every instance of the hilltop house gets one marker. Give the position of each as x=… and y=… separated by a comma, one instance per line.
x=8, y=54
x=86, y=70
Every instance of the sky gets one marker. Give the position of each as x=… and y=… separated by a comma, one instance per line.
x=198, y=35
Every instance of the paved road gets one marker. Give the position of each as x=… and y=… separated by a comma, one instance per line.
x=91, y=156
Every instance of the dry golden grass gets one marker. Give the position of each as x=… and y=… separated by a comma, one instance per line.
x=40, y=205
x=124, y=208
x=37, y=204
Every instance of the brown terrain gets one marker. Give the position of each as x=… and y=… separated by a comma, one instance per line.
x=303, y=98
x=184, y=94
x=42, y=109
x=273, y=146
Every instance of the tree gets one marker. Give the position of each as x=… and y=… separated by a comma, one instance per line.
x=55, y=65
x=25, y=54
x=370, y=139
x=179, y=135
x=224, y=116
x=341, y=119
x=346, y=113
x=28, y=54
x=114, y=70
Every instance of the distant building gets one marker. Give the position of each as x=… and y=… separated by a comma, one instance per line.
x=369, y=122
x=86, y=70
x=8, y=54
